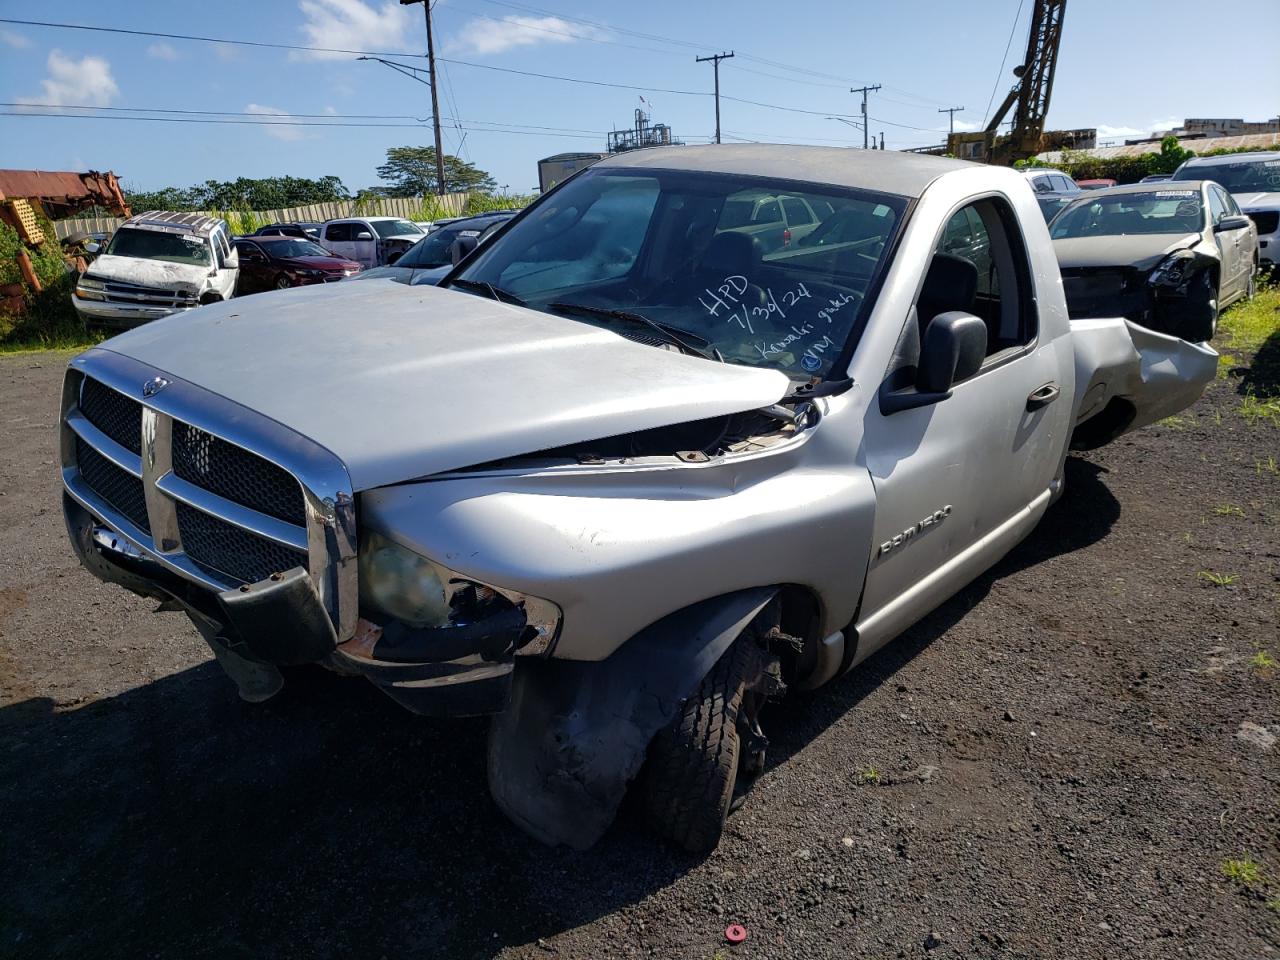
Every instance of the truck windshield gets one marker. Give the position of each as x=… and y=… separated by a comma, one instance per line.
x=699, y=253
x=1247, y=176
x=157, y=245
x=1149, y=211
x=395, y=228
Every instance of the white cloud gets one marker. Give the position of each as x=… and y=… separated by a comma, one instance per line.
x=483, y=35
x=1168, y=123
x=162, y=51
x=85, y=81
x=281, y=131
x=226, y=52
x=15, y=40
x=356, y=25
x=1107, y=132
x=965, y=126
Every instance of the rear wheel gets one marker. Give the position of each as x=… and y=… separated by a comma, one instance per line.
x=282, y=282
x=688, y=782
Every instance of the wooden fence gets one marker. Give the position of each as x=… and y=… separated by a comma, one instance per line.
x=407, y=207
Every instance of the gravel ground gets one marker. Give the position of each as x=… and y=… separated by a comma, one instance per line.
x=1056, y=763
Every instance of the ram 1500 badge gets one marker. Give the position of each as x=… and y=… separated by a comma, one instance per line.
x=628, y=472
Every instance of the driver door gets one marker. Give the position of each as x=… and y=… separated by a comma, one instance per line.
x=959, y=481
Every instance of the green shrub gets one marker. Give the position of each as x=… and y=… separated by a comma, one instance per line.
x=1080, y=166
x=10, y=244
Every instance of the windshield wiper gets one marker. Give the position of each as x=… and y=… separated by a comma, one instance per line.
x=672, y=335
x=483, y=286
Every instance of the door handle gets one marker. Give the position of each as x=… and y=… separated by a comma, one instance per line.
x=1042, y=396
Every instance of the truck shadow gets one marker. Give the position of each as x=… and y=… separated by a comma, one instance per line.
x=173, y=820
x=1262, y=377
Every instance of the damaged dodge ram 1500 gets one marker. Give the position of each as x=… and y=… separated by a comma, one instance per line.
x=623, y=476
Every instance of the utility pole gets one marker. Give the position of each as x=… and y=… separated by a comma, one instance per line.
x=864, y=91
x=952, y=111
x=715, y=65
x=881, y=139
x=435, y=100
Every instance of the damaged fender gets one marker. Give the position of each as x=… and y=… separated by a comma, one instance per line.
x=1128, y=376
x=575, y=735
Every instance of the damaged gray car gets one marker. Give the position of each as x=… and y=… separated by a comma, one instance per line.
x=1167, y=256
x=627, y=473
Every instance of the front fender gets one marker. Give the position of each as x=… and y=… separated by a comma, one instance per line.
x=575, y=734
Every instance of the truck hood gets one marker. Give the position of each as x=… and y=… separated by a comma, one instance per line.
x=1266, y=200
x=150, y=273
x=1141, y=251
x=402, y=382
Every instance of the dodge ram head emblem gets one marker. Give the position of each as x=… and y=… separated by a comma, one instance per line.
x=154, y=386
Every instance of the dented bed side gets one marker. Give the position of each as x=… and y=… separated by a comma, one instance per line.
x=1128, y=376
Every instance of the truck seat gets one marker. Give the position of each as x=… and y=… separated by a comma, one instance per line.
x=950, y=284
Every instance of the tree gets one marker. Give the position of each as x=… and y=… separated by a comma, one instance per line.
x=411, y=171
x=243, y=193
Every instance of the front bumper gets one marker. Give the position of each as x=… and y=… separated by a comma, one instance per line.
x=120, y=314
x=281, y=621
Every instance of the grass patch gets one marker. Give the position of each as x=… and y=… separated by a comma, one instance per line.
x=1244, y=872
x=1254, y=409
x=1174, y=423
x=869, y=775
x=1263, y=661
x=1268, y=465
x=1218, y=579
x=1228, y=510
x=1247, y=324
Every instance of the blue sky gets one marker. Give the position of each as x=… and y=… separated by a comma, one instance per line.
x=1125, y=67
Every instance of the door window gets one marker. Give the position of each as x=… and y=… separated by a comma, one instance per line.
x=986, y=274
x=797, y=213
x=339, y=232
x=1217, y=208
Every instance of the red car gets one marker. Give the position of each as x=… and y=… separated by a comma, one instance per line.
x=277, y=263
x=1098, y=183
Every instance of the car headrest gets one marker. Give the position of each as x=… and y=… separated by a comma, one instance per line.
x=731, y=254
x=950, y=284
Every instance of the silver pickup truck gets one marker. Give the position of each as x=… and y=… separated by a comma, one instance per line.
x=623, y=476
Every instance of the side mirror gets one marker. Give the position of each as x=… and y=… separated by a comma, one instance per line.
x=461, y=247
x=954, y=346
x=1237, y=222
x=92, y=247
x=233, y=259
x=364, y=235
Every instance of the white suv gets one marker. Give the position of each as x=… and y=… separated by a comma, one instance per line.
x=371, y=241
x=158, y=263
x=1253, y=180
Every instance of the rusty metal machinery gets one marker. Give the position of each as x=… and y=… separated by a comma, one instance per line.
x=1030, y=94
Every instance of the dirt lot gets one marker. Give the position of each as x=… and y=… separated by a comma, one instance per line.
x=1051, y=765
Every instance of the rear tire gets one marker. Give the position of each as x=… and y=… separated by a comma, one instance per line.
x=692, y=767
x=282, y=282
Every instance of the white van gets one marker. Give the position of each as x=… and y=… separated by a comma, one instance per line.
x=371, y=241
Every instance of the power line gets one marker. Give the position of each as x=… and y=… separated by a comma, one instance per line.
x=490, y=126
x=217, y=113
x=187, y=36
x=1009, y=43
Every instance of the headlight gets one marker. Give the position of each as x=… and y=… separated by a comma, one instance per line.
x=421, y=593
x=89, y=289
x=1172, y=270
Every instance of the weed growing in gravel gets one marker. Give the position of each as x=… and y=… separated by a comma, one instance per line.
x=1218, y=579
x=1173, y=423
x=1274, y=904
x=1269, y=465
x=1263, y=661
x=869, y=775
x=1254, y=409
x=1228, y=510
x=1244, y=872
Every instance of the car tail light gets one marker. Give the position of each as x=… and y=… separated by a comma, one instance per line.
x=786, y=237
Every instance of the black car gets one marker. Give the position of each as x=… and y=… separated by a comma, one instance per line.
x=428, y=260
x=302, y=230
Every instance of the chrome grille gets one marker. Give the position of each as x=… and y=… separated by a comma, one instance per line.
x=113, y=413
x=233, y=472
x=118, y=487
x=132, y=293
x=225, y=550
x=195, y=481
